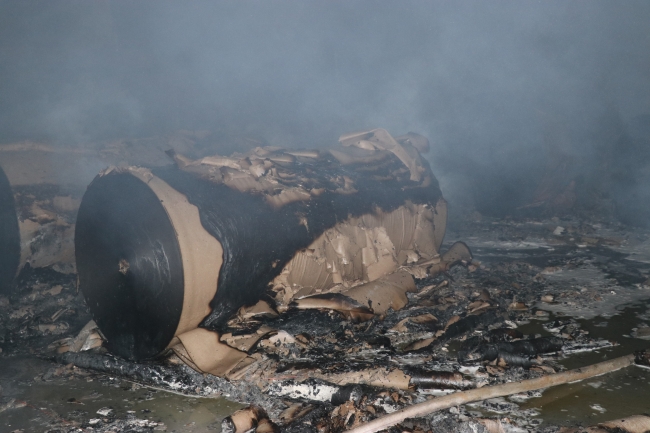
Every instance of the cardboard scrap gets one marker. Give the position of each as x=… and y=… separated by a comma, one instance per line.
x=418, y=141
x=260, y=310
x=380, y=139
x=295, y=411
x=630, y=424
x=281, y=343
x=204, y=352
x=88, y=338
x=457, y=253
x=245, y=342
x=402, y=325
x=337, y=302
x=46, y=241
x=361, y=250
x=248, y=419
x=384, y=293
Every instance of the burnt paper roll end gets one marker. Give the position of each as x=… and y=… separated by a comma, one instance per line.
x=130, y=266
x=9, y=235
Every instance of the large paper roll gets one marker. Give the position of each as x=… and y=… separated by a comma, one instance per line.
x=162, y=252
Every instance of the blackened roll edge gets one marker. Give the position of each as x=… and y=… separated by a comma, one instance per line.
x=9, y=235
x=129, y=265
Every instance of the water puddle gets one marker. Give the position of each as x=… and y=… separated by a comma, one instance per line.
x=38, y=403
x=616, y=395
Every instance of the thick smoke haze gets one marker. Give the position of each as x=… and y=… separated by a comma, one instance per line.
x=500, y=87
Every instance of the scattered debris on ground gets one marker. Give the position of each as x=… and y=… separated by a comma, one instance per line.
x=483, y=324
x=536, y=298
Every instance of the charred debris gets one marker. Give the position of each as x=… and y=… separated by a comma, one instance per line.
x=352, y=328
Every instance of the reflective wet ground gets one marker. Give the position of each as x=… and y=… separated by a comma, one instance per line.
x=33, y=404
x=620, y=315
x=616, y=395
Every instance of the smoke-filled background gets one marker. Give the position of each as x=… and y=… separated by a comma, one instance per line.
x=524, y=102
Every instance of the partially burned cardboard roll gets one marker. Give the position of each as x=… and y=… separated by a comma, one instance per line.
x=165, y=251
x=9, y=235
x=147, y=267
x=36, y=228
x=47, y=183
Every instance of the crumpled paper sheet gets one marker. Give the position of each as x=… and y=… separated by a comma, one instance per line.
x=362, y=250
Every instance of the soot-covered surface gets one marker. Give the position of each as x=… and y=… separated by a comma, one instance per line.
x=130, y=265
x=258, y=240
x=9, y=234
x=537, y=303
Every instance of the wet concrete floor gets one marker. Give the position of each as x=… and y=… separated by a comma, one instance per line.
x=36, y=403
x=616, y=395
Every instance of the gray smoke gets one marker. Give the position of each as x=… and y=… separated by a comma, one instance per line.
x=499, y=87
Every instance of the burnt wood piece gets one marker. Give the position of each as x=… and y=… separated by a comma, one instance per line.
x=179, y=378
x=9, y=235
x=438, y=379
x=469, y=323
x=519, y=352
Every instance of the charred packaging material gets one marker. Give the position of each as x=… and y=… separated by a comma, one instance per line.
x=47, y=182
x=45, y=188
x=9, y=235
x=167, y=256
x=36, y=225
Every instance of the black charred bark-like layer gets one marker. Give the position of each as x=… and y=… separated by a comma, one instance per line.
x=258, y=240
x=152, y=375
x=438, y=379
x=9, y=235
x=642, y=357
x=178, y=378
x=129, y=265
x=516, y=353
x=469, y=323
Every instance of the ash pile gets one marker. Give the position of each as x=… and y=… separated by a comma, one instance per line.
x=315, y=287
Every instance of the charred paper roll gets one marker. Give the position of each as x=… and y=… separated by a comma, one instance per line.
x=48, y=180
x=46, y=185
x=161, y=252
x=9, y=235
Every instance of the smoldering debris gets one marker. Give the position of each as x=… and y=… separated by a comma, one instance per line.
x=250, y=418
x=44, y=312
x=323, y=346
x=315, y=355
